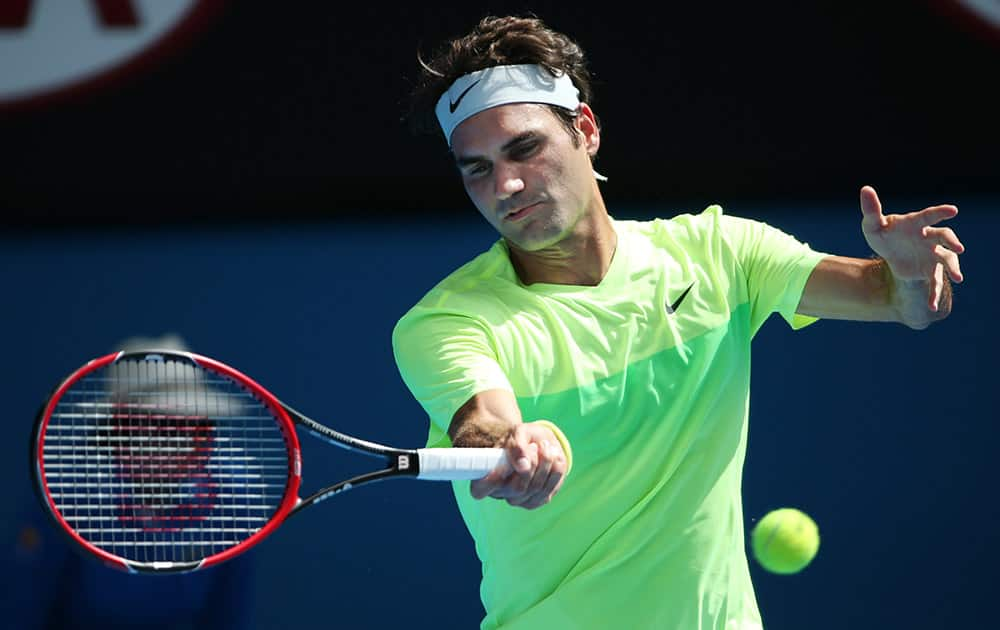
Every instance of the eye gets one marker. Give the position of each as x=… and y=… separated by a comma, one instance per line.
x=477, y=169
x=523, y=150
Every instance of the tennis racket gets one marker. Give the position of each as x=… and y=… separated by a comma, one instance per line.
x=163, y=461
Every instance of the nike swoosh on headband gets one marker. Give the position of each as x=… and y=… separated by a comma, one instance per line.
x=503, y=85
x=453, y=105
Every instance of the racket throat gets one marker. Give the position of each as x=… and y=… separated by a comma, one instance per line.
x=348, y=484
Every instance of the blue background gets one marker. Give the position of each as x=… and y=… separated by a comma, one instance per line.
x=885, y=435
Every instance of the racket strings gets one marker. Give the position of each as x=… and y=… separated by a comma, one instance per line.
x=163, y=461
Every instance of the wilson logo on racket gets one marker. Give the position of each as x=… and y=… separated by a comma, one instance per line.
x=170, y=461
x=161, y=458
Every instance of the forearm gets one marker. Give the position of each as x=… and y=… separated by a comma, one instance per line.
x=486, y=420
x=856, y=289
x=861, y=289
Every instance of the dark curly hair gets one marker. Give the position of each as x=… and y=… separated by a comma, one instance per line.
x=498, y=41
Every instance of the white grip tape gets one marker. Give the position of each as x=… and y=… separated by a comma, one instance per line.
x=449, y=464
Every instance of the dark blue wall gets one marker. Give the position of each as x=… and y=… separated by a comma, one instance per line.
x=885, y=435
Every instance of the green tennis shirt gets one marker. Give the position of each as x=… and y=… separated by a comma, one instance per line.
x=648, y=375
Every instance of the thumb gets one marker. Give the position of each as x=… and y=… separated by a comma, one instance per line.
x=520, y=451
x=872, y=218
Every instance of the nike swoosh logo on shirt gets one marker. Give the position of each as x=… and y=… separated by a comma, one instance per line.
x=454, y=105
x=672, y=308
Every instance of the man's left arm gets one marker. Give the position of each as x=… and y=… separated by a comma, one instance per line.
x=908, y=283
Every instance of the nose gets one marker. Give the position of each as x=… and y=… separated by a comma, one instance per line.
x=508, y=183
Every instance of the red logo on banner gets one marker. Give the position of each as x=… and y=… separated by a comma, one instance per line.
x=53, y=48
x=981, y=17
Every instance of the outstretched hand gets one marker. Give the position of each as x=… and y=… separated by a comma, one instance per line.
x=914, y=248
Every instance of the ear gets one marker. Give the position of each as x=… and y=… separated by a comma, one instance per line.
x=586, y=122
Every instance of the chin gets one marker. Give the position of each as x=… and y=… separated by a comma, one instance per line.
x=534, y=242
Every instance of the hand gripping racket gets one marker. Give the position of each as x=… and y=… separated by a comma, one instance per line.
x=164, y=461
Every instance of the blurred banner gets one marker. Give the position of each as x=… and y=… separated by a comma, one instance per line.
x=166, y=111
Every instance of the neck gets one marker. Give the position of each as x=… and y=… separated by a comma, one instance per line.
x=583, y=257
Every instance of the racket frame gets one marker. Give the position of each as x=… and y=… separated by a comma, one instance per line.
x=399, y=462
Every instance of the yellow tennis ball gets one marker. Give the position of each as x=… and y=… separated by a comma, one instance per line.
x=785, y=541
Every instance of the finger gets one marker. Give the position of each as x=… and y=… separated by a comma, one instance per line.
x=556, y=484
x=488, y=485
x=530, y=493
x=950, y=261
x=506, y=489
x=521, y=450
x=871, y=210
x=555, y=462
x=535, y=490
x=521, y=480
x=936, y=214
x=937, y=287
x=530, y=501
x=542, y=498
x=552, y=485
x=946, y=237
x=481, y=488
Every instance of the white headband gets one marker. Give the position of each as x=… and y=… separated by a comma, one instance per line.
x=502, y=85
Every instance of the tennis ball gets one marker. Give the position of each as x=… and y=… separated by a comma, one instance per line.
x=785, y=541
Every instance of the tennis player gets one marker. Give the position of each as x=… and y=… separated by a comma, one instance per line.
x=611, y=358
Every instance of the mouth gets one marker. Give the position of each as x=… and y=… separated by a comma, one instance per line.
x=523, y=211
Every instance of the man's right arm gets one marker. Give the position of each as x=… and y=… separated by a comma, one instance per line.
x=537, y=464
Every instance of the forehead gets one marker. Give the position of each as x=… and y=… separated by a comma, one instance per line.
x=491, y=128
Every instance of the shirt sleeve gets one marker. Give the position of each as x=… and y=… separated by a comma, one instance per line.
x=776, y=267
x=445, y=359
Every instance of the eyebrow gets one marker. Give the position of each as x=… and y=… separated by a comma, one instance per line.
x=507, y=146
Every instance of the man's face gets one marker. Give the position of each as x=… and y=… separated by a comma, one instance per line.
x=522, y=171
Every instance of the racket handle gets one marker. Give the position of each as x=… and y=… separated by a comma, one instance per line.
x=450, y=464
